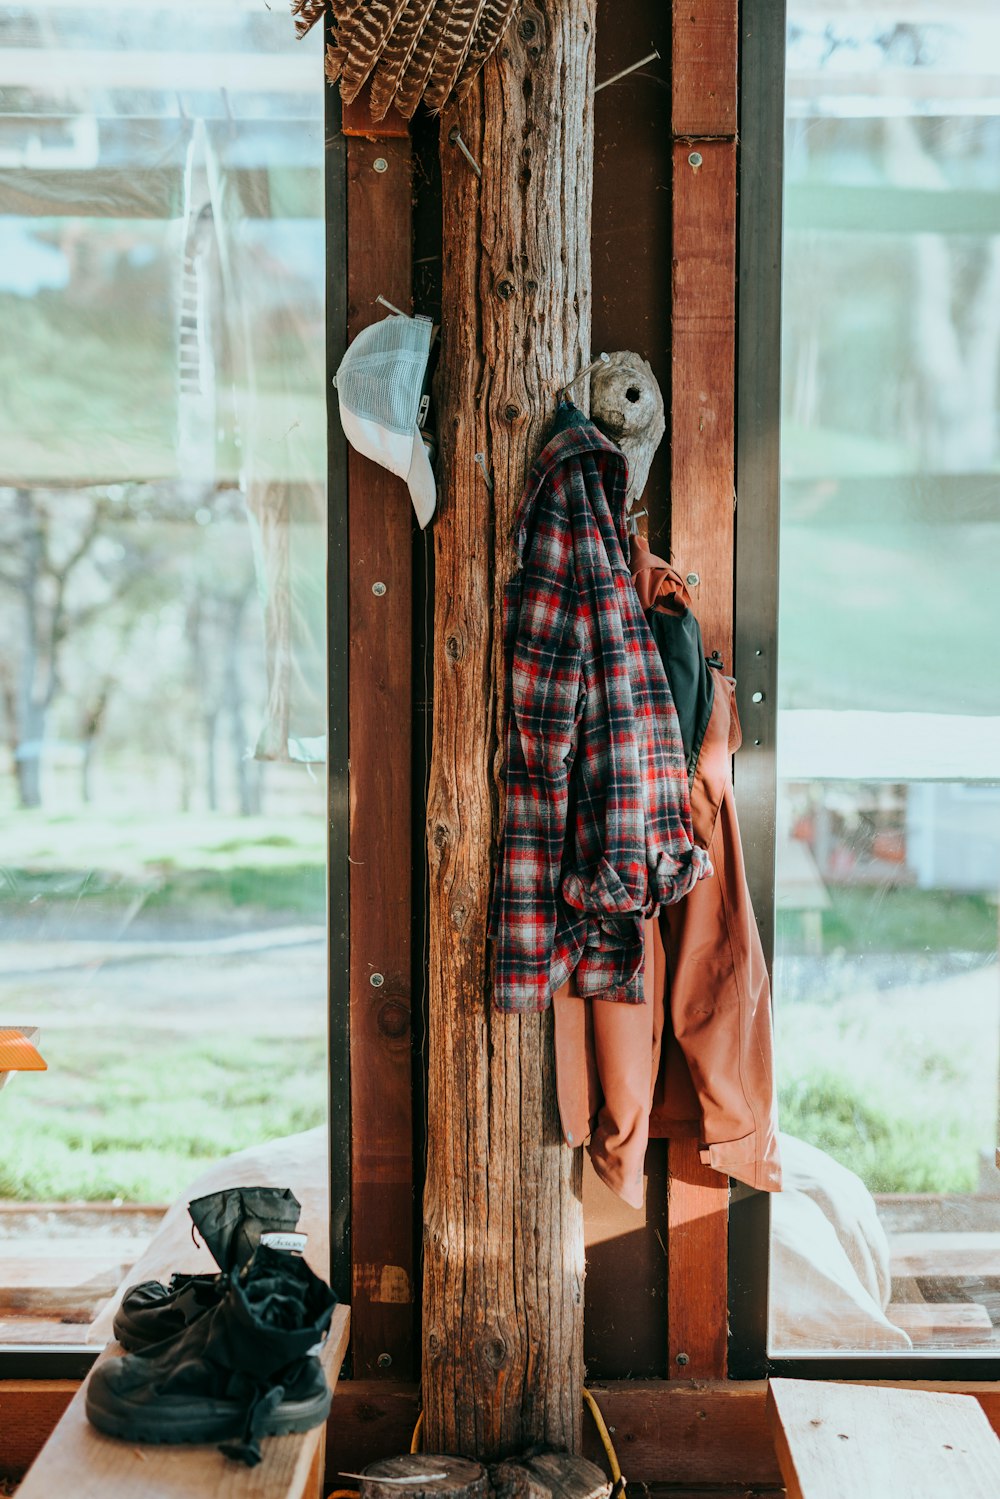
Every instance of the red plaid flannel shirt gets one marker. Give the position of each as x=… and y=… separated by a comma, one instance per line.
x=597, y=819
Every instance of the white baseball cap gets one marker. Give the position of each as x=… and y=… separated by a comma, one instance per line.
x=379, y=384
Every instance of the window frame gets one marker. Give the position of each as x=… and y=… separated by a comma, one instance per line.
x=760, y=182
x=46, y=1362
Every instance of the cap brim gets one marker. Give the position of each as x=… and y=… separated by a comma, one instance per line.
x=391, y=450
x=420, y=481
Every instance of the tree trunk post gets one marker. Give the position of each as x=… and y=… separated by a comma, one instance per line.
x=503, y=1219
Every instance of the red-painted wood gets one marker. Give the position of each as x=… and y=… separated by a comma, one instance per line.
x=385, y=1293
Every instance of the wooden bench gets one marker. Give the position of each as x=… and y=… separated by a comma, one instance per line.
x=853, y=1441
x=78, y=1461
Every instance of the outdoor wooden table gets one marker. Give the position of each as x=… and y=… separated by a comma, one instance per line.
x=18, y=1052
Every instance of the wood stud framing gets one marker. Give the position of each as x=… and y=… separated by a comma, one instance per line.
x=702, y=435
x=380, y=542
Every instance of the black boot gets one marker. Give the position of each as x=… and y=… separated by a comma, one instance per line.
x=231, y=1224
x=242, y=1371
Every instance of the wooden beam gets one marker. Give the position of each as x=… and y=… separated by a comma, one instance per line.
x=703, y=63
x=710, y=1433
x=702, y=534
x=380, y=546
x=503, y=1234
x=703, y=388
x=29, y=1411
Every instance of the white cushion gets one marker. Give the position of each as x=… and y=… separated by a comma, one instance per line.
x=830, y=1275
x=296, y=1161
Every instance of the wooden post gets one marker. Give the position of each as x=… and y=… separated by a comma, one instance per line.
x=503, y=1224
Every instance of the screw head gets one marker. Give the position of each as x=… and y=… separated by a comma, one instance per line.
x=384, y=1360
x=377, y=980
x=757, y=697
x=692, y=580
x=694, y=159
x=378, y=589
x=380, y=164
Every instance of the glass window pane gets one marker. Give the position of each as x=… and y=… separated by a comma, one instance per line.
x=887, y=1002
x=162, y=620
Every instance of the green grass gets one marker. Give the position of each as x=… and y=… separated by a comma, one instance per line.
x=898, y=1084
x=138, y=1117
x=132, y=841
x=893, y=1147
x=873, y=919
x=208, y=865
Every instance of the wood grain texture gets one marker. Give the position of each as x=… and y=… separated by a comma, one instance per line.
x=80, y=1461
x=704, y=67
x=697, y=1314
x=372, y=1419
x=632, y=171
x=380, y=542
x=503, y=1240
x=418, y=1476
x=704, y=1432
x=838, y=1439
x=703, y=386
x=357, y=121
x=549, y=1475
x=29, y=1410
x=695, y=1434
x=701, y=543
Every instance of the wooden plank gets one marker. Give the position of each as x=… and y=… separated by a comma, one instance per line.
x=834, y=1440
x=702, y=539
x=944, y=1254
x=948, y=1324
x=714, y=1432
x=697, y=1206
x=80, y=1461
x=29, y=1410
x=703, y=62
x=372, y=1419
x=703, y=386
x=380, y=547
x=632, y=166
x=357, y=120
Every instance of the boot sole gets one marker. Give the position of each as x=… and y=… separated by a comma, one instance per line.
x=198, y=1422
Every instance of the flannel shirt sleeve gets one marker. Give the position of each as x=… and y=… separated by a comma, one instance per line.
x=546, y=703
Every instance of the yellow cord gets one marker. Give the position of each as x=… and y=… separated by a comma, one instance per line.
x=418, y=1432
x=602, y=1431
x=606, y=1442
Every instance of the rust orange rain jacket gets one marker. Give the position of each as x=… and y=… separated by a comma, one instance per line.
x=696, y=1059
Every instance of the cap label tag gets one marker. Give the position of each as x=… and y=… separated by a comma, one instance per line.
x=295, y=1243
